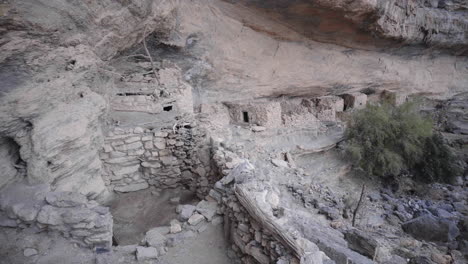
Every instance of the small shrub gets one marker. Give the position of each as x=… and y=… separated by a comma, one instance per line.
x=386, y=140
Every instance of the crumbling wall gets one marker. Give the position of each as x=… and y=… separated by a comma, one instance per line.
x=252, y=240
x=267, y=114
x=354, y=100
x=141, y=92
x=310, y=112
x=135, y=158
x=69, y=213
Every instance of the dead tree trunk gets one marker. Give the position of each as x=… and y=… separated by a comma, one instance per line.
x=358, y=206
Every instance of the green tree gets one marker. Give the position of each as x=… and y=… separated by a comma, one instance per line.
x=439, y=163
x=384, y=140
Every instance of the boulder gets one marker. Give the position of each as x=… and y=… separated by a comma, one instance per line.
x=431, y=228
x=128, y=249
x=207, y=209
x=65, y=199
x=195, y=219
x=362, y=242
x=145, y=253
x=175, y=227
x=441, y=213
x=420, y=260
x=154, y=238
x=257, y=254
x=330, y=212
x=185, y=211
x=441, y=258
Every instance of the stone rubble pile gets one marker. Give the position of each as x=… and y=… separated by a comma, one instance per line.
x=71, y=214
x=193, y=219
x=428, y=227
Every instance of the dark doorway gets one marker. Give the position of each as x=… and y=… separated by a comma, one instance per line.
x=245, y=116
x=167, y=108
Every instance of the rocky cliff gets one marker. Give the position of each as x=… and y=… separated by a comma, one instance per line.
x=56, y=75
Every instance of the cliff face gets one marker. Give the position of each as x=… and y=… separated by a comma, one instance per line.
x=51, y=66
x=368, y=23
x=269, y=49
x=55, y=74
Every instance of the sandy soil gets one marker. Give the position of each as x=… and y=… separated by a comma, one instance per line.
x=209, y=247
x=136, y=212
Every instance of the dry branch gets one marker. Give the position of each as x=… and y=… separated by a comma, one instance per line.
x=358, y=206
x=149, y=56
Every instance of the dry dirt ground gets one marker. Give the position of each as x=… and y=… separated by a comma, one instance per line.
x=209, y=247
x=137, y=212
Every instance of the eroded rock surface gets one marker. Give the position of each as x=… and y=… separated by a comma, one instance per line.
x=127, y=96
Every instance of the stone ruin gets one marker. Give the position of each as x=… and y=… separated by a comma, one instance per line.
x=210, y=131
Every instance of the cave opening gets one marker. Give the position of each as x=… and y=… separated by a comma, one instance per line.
x=11, y=163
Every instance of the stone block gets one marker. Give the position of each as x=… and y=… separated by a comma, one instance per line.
x=362, y=242
x=132, y=139
x=153, y=164
x=146, y=253
x=107, y=148
x=207, y=209
x=175, y=227
x=168, y=160
x=431, y=228
x=138, y=130
x=279, y=163
x=48, y=215
x=195, y=219
x=154, y=238
x=146, y=138
x=164, y=152
x=126, y=170
x=160, y=144
x=65, y=199
x=160, y=134
x=132, y=187
x=117, y=154
x=185, y=211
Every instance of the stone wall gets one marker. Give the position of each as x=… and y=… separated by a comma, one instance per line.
x=267, y=114
x=136, y=103
x=135, y=158
x=69, y=213
x=140, y=92
x=253, y=242
x=311, y=111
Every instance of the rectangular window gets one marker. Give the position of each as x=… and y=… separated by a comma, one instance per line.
x=245, y=116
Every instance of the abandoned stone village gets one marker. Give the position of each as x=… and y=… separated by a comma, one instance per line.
x=215, y=131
